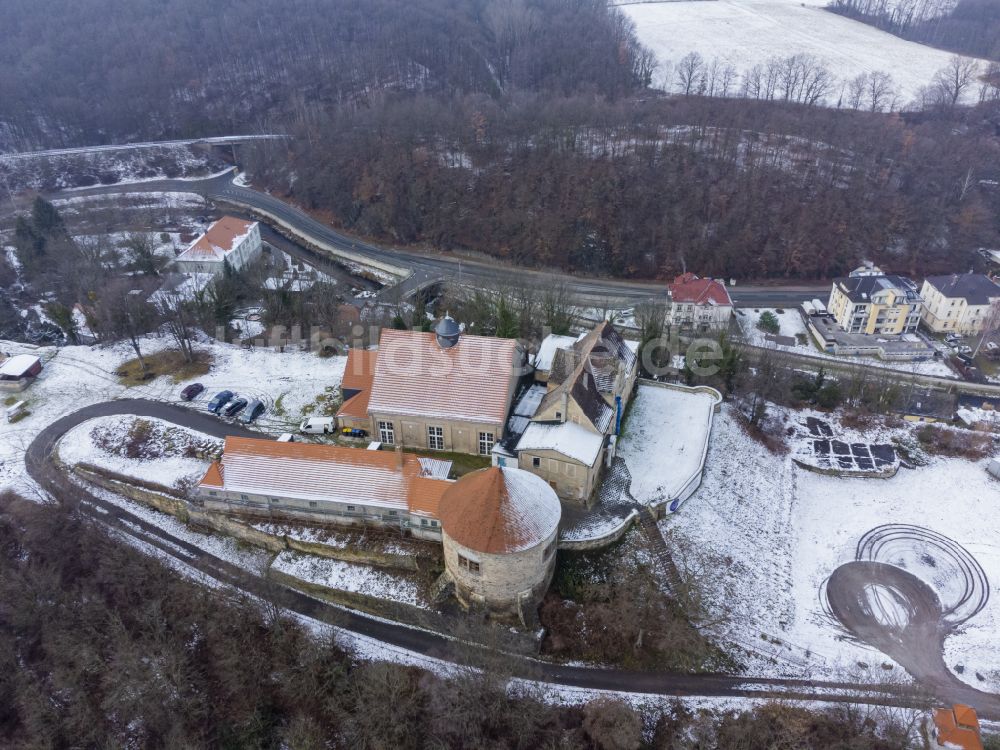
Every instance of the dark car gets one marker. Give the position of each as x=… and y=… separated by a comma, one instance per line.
x=254, y=409
x=192, y=391
x=219, y=400
x=236, y=407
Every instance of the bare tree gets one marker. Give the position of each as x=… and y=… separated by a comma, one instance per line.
x=691, y=74
x=179, y=317
x=125, y=312
x=952, y=81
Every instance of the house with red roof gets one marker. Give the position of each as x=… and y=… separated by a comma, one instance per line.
x=699, y=304
x=439, y=391
x=228, y=240
x=957, y=728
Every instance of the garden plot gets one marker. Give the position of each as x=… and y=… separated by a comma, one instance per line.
x=664, y=441
x=821, y=447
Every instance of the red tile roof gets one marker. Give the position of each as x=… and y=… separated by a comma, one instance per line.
x=470, y=381
x=359, y=370
x=958, y=727
x=690, y=288
x=307, y=471
x=219, y=240
x=500, y=510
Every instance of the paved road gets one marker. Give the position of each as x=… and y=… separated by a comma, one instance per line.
x=41, y=468
x=426, y=268
x=221, y=140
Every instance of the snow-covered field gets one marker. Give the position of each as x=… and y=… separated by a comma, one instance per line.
x=664, y=440
x=76, y=376
x=765, y=535
x=745, y=33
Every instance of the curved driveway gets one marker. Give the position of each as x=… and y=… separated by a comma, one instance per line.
x=43, y=470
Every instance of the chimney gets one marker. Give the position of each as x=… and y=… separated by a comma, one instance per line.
x=564, y=405
x=399, y=457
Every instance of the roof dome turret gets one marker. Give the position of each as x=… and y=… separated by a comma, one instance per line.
x=447, y=332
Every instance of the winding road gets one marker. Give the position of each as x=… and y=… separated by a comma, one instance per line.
x=42, y=468
x=424, y=268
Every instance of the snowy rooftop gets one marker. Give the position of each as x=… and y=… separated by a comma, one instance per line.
x=222, y=237
x=569, y=439
x=17, y=366
x=548, y=348
x=500, y=510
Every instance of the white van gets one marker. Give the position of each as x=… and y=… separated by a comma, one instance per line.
x=317, y=426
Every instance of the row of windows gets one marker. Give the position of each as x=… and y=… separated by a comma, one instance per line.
x=470, y=565
x=435, y=438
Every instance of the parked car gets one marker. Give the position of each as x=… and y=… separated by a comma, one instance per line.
x=192, y=391
x=236, y=407
x=254, y=409
x=317, y=426
x=219, y=400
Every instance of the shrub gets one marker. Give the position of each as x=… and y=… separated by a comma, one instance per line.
x=768, y=322
x=612, y=725
x=944, y=441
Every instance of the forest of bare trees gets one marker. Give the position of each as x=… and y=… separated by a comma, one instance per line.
x=119, y=70
x=104, y=646
x=729, y=187
x=971, y=27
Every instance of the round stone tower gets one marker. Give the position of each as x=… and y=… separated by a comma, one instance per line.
x=499, y=528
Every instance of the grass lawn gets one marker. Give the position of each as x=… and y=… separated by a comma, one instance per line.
x=168, y=362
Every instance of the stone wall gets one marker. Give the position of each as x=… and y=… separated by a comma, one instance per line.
x=505, y=583
x=165, y=500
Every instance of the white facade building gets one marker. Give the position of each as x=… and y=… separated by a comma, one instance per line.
x=228, y=240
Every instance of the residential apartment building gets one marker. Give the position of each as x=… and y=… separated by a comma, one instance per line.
x=872, y=304
x=960, y=303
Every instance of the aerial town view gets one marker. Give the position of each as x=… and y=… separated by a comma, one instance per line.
x=500, y=374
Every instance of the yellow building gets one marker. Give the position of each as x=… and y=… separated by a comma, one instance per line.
x=871, y=304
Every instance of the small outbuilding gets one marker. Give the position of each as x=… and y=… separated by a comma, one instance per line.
x=18, y=372
x=499, y=530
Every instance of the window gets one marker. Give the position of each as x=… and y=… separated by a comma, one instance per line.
x=570, y=470
x=312, y=504
x=244, y=497
x=470, y=565
x=351, y=509
x=423, y=521
x=393, y=513
x=434, y=524
x=558, y=415
x=473, y=566
x=485, y=443
x=536, y=462
x=386, y=433
x=213, y=493
x=435, y=438
x=275, y=500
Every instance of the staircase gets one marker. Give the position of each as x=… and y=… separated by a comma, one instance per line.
x=671, y=576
